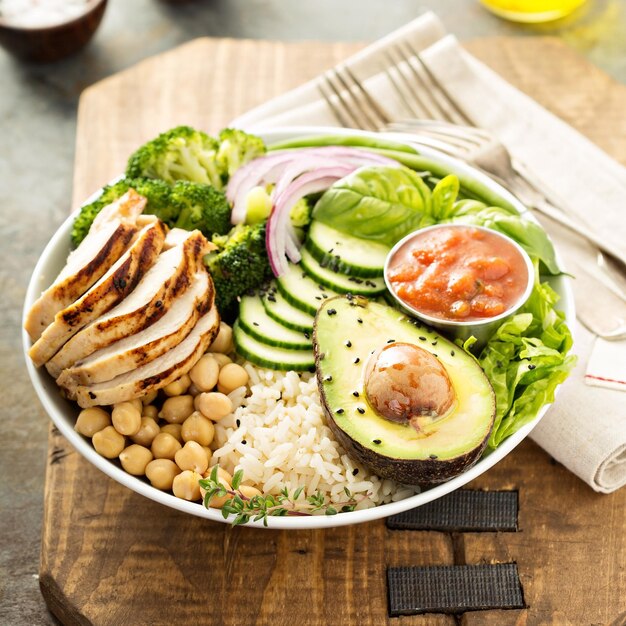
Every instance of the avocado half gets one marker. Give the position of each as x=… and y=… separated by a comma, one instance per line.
x=349, y=332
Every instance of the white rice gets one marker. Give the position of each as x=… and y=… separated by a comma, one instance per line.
x=288, y=444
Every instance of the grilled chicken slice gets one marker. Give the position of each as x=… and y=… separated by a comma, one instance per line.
x=155, y=374
x=111, y=289
x=106, y=241
x=137, y=350
x=165, y=281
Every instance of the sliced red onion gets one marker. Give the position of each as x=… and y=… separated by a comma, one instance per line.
x=278, y=223
x=272, y=168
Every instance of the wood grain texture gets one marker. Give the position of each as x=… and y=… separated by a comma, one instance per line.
x=110, y=556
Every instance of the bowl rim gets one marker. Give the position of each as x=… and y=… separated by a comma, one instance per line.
x=451, y=323
x=39, y=377
x=91, y=6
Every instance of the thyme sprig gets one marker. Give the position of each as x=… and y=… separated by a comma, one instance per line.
x=261, y=507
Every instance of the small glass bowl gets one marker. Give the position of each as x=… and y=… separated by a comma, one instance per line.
x=481, y=329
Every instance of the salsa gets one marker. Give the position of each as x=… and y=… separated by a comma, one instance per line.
x=458, y=273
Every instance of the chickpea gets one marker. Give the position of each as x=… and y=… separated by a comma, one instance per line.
x=108, y=442
x=126, y=418
x=149, y=398
x=92, y=420
x=193, y=390
x=198, y=428
x=178, y=386
x=222, y=474
x=232, y=376
x=224, y=341
x=205, y=372
x=164, y=446
x=174, y=430
x=249, y=491
x=213, y=405
x=137, y=403
x=222, y=359
x=135, y=458
x=150, y=411
x=148, y=430
x=186, y=486
x=192, y=457
x=161, y=473
x=177, y=409
x=209, y=454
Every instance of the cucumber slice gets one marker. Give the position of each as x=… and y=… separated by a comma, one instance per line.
x=340, y=282
x=344, y=253
x=271, y=356
x=284, y=313
x=259, y=325
x=302, y=291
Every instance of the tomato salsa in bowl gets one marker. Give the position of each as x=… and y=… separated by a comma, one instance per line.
x=460, y=278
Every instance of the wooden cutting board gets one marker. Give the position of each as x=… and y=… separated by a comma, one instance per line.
x=111, y=557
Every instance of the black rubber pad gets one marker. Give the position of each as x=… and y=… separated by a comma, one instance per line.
x=462, y=510
x=453, y=588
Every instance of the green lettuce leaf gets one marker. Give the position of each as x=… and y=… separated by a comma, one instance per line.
x=525, y=360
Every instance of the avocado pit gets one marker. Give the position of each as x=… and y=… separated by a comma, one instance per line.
x=408, y=385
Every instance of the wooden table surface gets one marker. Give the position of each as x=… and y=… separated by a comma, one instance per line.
x=110, y=556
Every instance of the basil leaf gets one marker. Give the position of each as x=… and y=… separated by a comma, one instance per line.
x=444, y=195
x=377, y=203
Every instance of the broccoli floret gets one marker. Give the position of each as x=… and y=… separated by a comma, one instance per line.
x=239, y=265
x=202, y=207
x=236, y=149
x=157, y=193
x=182, y=153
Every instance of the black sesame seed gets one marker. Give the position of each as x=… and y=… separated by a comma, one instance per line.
x=307, y=335
x=244, y=441
x=435, y=355
x=433, y=456
x=332, y=311
x=355, y=471
x=339, y=411
x=422, y=338
x=391, y=340
x=328, y=378
x=369, y=283
x=92, y=395
x=531, y=367
x=433, y=343
x=377, y=441
x=359, y=320
x=324, y=296
x=238, y=422
x=361, y=410
x=355, y=394
x=318, y=297
x=451, y=352
x=348, y=344
x=331, y=251
x=271, y=298
x=255, y=323
x=357, y=360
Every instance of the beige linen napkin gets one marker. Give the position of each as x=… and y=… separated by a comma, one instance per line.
x=586, y=428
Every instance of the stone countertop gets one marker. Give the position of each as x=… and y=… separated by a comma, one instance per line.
x=37, y=125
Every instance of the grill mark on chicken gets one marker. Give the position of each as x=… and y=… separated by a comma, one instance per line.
x=173, y=270
x=123, y=388
x=104, y=295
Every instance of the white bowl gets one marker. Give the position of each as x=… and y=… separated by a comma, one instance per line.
x=63, y=413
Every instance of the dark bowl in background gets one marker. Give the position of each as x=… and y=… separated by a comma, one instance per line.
x=51, y=43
